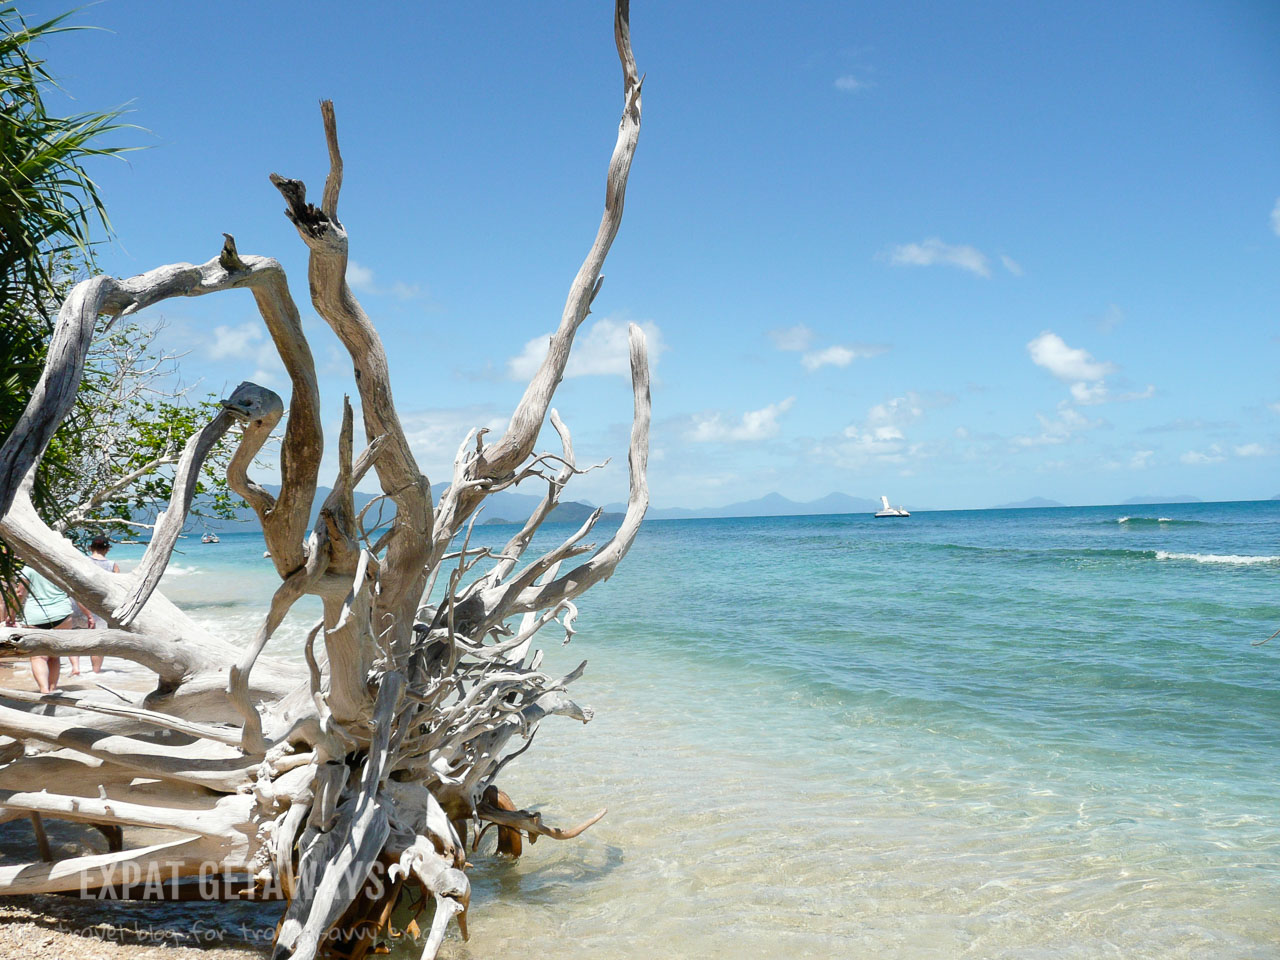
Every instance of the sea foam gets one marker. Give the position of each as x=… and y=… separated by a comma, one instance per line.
x=1215, y=558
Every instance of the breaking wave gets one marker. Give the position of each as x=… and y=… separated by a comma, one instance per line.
x=1157, y=522
x=1074, y=554
x=1243, y=560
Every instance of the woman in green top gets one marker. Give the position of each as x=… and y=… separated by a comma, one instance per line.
x=47, y=608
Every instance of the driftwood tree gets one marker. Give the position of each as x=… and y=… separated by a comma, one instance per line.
x=350, y=780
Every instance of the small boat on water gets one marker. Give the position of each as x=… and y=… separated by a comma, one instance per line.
x=210, y=538
x=888, y=511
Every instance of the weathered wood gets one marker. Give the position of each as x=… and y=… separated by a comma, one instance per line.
x=170, y=860
x=58, y=559
x=381, y=748
x=517, y=443
x=152, y=718
x=173, y=659
x=164, y=536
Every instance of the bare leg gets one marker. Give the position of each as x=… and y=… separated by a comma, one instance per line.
x=40, y=670
x=55, y=663
x=97, y=664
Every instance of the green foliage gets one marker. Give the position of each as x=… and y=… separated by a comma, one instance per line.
x=111, y=469
x=47, y=199
x=154, y=430
x=123, y=419
x=48, y=204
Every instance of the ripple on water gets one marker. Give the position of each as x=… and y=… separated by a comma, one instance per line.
x=1011, y=734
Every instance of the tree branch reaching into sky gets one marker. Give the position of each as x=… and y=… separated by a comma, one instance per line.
x=352, y=783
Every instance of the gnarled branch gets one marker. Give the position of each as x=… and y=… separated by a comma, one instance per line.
x=393, y=736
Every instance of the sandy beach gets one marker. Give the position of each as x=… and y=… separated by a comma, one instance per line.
x=64, y=927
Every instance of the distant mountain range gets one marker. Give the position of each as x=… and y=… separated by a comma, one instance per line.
x=501, y=507
x=508, y=507
x=770, y=505
x=1030, y=504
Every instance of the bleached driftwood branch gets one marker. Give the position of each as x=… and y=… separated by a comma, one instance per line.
x=420, y=682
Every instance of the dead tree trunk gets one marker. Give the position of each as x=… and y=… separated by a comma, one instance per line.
x=377, y=752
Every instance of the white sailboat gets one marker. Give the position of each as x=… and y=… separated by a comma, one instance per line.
x=888, y=511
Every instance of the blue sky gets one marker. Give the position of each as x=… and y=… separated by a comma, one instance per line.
x=955, y=253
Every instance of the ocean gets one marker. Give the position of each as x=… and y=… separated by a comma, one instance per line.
x=1002, y=733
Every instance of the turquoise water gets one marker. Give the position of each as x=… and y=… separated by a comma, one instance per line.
x=1022, y=733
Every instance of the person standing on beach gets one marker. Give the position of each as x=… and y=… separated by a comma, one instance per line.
x=6, y=613
x=46, y=608
x=98, y=548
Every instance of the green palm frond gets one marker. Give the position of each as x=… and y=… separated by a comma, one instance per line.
x=51, y=214
x=48, y=202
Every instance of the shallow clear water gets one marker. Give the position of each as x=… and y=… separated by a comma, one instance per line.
x=1030, y=733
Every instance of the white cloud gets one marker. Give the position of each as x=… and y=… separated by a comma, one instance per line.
x=881, y=436
x=1111, y=318
x=897, y=412
x=840, y=355
x=525, y=365
x=1066, y=363
x=1076, y=367
x=836, y=356
x=850, y=84
x=1275, y=218
x=934, y=251
x=1274, y=407
x=1251, y=450
x=238, y=341
x=1087, y=394
x=602, y=350
x=1059, y=429
x=359, y=277
x=248, y=342
x=799, y=338
x=795, y=338
x=754, y=425
x=883, y=444
x=1141, y=459
x=1012, y=265
x=434, y=435
x=1196, y=458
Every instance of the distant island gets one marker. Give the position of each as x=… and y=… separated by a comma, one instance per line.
x=1030, y=504
x=508, y=507
x=571, y=511
x=502, y=507
x=770, y=505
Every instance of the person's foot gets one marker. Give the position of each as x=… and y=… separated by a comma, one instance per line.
x=75, y=673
